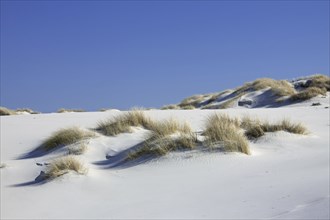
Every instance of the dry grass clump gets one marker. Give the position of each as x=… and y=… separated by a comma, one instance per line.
x=308, y=93
x=26, y=110
x=285, y=125
x=221, y=130
x=194, y=101
x=214, y=97
x=278, y=87
x=188, y=107
x=166, y=136
x=63, y=110
x=65, y=137
x=159, y=145
x=123, y=123
x=255, y=128
x=63, y=165
x=6, y=111
x=168, y=127
x=225, y=104
x=168, y=107
x=319, y=81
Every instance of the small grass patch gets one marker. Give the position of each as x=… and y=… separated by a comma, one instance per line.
x=223, y=131
x=65, y=137
x=319, y=81
x=188, y=107
x=168, y=127
x=308, y=93
x=285, y=125
x=194, y=101
x=30, y=111
x=170, y=107
x=64, y=110
x=255, y=128
x=64, y=165
x=278, y=87
x=6, y=111
x=123, y=123
x=159, y=145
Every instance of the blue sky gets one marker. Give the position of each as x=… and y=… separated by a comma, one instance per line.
x=119, y=54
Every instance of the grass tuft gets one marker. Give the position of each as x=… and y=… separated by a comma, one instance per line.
x=26, y=110
x=319, y=81
x=285, y=125
x=159, y=145
x=221, y=130
x=255, y=128
x=63, y=110
x=6, y=111
x=168, y=127
x=308, y=93
x=170, y=107
x=123, y=123
x=192, y=101
x=63, y=165
x=65, y=137
x=188, y=107
x=278, y=87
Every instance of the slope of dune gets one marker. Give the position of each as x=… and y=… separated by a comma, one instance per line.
x=262, y=93
x=286, y=176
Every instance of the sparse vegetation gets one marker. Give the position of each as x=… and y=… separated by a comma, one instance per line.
x=30, y=111
x=6, y=111
x=65, y=137
x=168, y=135
x=214, y=97
x=285, y=125
x=255, y=128
x=308, y=93
x=278, y=87
x=223, y=131
x=159, y=145
x=188, y=107
x=194, y=100
x=168, y=107
x=123, y=123
x=64, y=165
x=319, y=81
x=229, y=103
x=63, y=110
x=168, y=127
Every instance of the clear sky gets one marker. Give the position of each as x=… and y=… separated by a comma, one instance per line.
x=119, y=54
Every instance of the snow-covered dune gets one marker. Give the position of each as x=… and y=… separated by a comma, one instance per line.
x=286, y=176
x=263, y=93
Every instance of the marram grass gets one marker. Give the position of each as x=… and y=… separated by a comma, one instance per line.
x=64, y=165
x=65, y=137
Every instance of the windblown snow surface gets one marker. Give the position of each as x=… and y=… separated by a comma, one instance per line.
x=285, y=177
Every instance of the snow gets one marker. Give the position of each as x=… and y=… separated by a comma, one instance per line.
x=286, y=177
